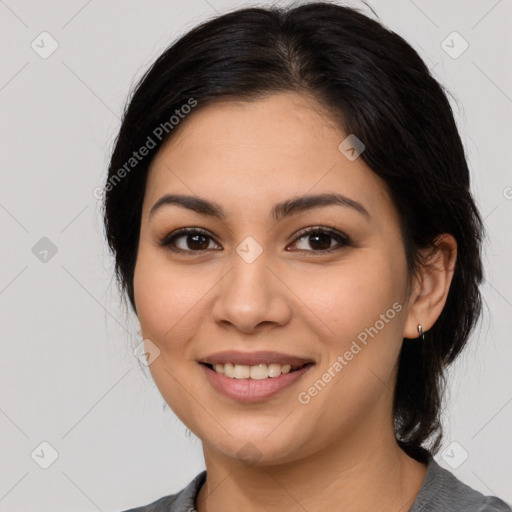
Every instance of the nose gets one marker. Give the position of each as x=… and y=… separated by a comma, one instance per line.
x=251, y=296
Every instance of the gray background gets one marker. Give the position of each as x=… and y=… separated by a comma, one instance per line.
x=67, y=370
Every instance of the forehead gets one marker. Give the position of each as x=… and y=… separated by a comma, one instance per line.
x=284, y=125
x=260, y=152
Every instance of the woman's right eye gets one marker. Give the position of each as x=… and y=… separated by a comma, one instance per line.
x=191, y=240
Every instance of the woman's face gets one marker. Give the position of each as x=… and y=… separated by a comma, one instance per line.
x=252, y=281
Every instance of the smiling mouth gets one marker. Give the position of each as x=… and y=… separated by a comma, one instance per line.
x=254, y=372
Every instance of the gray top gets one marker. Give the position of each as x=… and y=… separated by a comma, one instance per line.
x=441, y=491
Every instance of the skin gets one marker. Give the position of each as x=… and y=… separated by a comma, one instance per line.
x=337, y=452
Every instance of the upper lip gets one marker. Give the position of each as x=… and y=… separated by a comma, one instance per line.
x=254, y=358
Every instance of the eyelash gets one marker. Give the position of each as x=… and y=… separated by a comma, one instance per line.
x=169, y=240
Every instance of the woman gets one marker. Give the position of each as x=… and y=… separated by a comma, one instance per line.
x=289, y=206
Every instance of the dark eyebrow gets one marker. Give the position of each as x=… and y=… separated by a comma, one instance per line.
x=279, y=211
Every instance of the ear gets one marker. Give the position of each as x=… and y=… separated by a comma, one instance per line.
x=430, y=285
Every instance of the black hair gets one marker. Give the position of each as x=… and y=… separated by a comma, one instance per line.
x=374, y=85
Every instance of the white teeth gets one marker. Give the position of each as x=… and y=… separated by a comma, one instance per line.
x=219, y=368
x=258, y=372
x=241, y=371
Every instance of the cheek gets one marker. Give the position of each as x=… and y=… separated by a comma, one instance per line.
x=350, y=297
x=166, y=301
x=166, y=304
x=361, y=303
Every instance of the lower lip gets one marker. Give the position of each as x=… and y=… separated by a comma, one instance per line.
x=252, y=390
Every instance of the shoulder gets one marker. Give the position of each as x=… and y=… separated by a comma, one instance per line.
x=183, y=501
x=442, y=491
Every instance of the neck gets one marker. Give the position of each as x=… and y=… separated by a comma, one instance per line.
x=364, y=474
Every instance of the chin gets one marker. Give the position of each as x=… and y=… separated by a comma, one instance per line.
x=259, y=449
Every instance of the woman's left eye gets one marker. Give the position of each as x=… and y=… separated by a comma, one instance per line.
x=197, y=240
x=321, y=238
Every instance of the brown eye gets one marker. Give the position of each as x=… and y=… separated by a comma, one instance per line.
x=187, y=240
x=320, y=240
